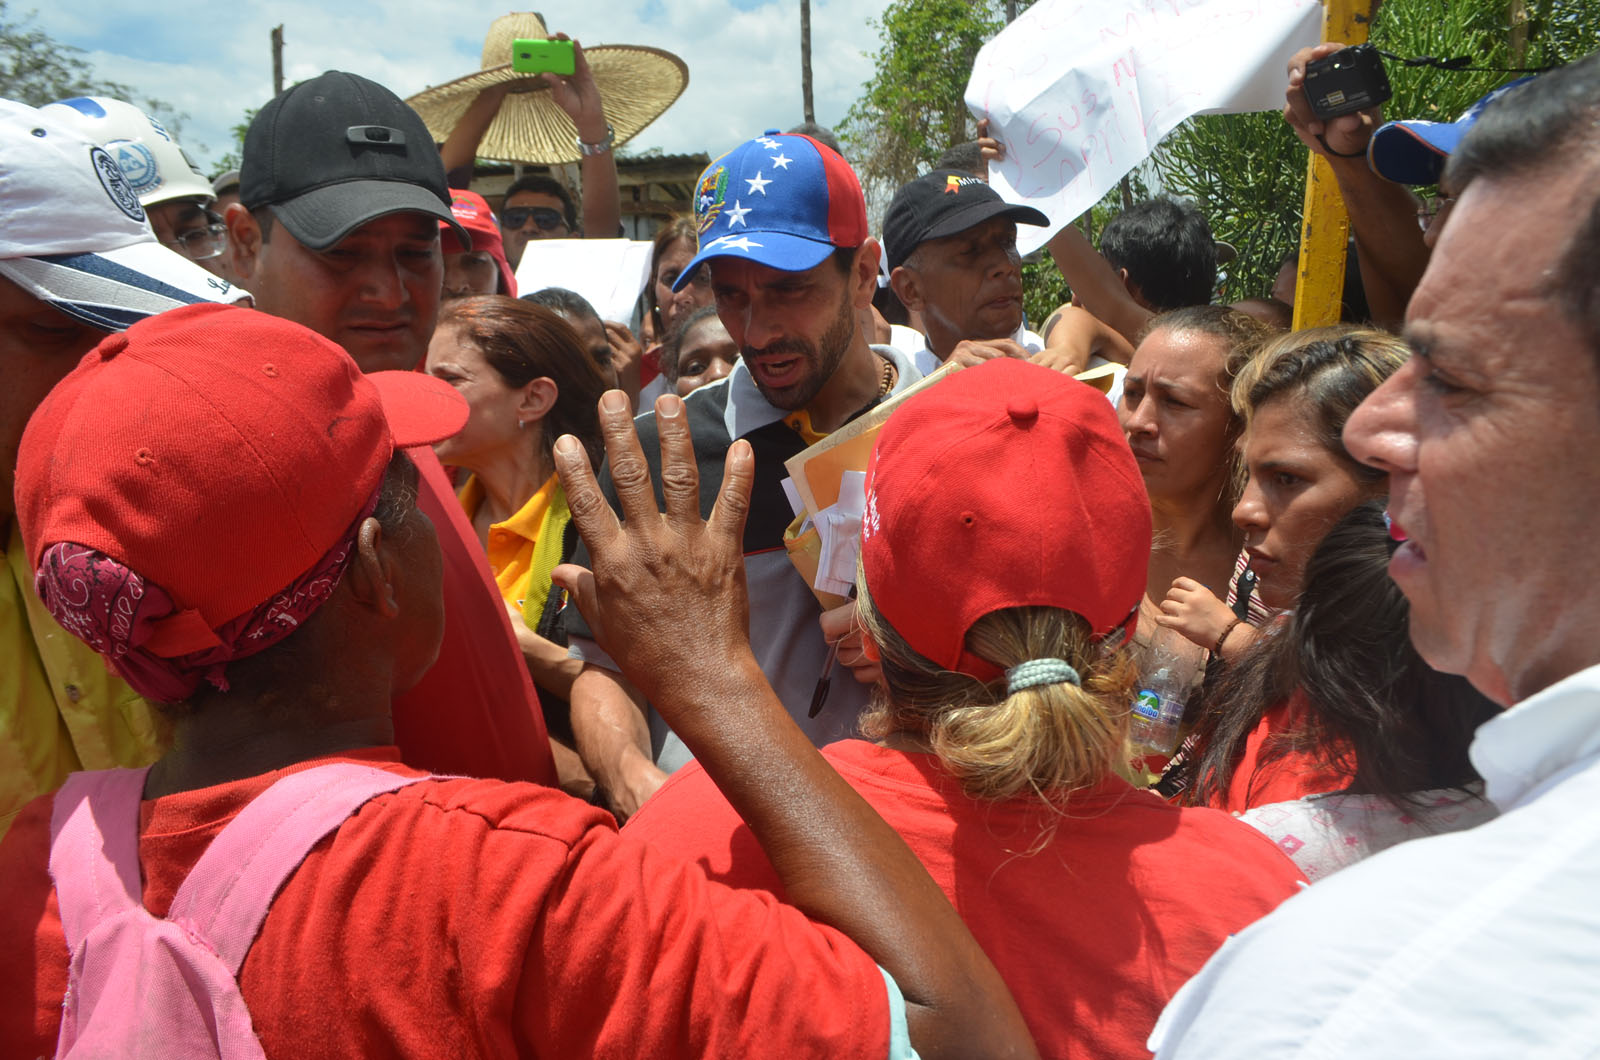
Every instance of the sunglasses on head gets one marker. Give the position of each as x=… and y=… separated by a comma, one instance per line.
x=543, y=216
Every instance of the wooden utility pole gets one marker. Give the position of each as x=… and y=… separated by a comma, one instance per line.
x=277, y=60
x=805, y=59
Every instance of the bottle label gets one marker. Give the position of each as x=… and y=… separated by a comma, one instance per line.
x=1147, y=705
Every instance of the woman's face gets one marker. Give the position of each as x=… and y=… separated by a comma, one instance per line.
x=697, y=293
x=706, y=355
x=491, y=427
x=1298, y=489
x=1176, y=415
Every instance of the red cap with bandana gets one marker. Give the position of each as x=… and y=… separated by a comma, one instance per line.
x=208, y=467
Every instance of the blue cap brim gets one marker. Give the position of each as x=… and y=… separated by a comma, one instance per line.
x=1414, y=152
x=775, y=250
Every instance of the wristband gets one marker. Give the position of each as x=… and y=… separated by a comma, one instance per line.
x=1337, y=154
x=600, y=148
x=1217, y=648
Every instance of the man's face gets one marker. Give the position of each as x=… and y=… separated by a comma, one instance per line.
x=470, y=272
x=38, y=347
x=536, y=216
x=376, y=292
x=184, y=226
x=1489, y=435
x=792, y=328
x=969, y=285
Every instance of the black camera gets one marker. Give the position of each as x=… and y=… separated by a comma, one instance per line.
x=1349, y=80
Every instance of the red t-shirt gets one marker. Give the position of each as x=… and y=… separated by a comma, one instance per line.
x=1268, y=774
x=1093, y=933
x=475, y=712
x=475, y=918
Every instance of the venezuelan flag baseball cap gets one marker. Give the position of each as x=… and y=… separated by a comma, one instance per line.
x=782, y=200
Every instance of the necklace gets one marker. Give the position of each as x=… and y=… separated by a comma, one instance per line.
x=888, y=378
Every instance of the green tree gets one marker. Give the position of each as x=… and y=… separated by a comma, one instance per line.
x=37, y=69
x=1247, y=171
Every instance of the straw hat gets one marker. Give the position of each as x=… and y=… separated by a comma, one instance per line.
x=637, y=84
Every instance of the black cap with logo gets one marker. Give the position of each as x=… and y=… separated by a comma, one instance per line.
x=335, y=152
x=943, y=203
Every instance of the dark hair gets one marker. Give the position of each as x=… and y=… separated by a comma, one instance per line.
x=542, y=185
x=1367, y=694
x=1167, y=248
x=678, y=229
x=967, y=157
x=674, y=343
x=1536, y=126
x=820, y=133
x=1242, y=333
x=567, y=303
x=522, y=342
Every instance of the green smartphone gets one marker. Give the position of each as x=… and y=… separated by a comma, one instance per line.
x=542, y=57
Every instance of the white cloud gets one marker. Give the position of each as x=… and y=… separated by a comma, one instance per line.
x=213, y=63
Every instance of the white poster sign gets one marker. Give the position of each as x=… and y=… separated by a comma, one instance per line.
x=610, y=273
x=1081, y=91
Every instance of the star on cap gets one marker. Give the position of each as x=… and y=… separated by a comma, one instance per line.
x=769, y=143
x=743, y=243
x=737, y=212
x=757, y=184
x=781, y=160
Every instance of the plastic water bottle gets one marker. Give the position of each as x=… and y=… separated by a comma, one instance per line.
x=1158, y=712
x=1163, y=693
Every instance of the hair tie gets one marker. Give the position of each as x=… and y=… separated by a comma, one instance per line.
x=1036, y=672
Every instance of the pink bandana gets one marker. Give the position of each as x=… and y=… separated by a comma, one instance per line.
x=137, y=626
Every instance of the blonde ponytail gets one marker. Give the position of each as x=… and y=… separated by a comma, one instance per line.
x=1050, y=739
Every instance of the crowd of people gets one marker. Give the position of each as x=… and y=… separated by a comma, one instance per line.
x=401, y=664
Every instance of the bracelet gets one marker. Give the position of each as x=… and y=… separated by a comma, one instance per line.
x=1341, y=154
x=600, y=148
x=1217, y=648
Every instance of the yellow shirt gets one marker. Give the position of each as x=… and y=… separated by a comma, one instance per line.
x=61, y=709
x=511, y=543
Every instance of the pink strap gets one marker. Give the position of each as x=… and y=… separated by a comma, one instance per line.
x=227, y=894
x=94, y=848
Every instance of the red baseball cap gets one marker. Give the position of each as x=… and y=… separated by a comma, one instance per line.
x=472, y=213
x=1005, y=485
x=218, y=452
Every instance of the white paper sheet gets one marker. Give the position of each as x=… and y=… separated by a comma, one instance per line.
x=839, y=528
x=1081, y=91
x=610, y=273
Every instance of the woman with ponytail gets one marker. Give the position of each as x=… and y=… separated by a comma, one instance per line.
x=1003, y=556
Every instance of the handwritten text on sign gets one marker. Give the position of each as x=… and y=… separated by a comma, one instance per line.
x=1081, y=91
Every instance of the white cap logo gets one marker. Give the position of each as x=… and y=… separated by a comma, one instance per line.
x=116, y=185
x=137, y=164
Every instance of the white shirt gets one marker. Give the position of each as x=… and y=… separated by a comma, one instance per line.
x=1482, y=943
x=913, y=342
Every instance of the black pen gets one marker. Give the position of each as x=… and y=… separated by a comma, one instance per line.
x=820, y=696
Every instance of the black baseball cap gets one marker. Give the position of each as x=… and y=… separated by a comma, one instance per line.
x=335, y=152
x=943, y=203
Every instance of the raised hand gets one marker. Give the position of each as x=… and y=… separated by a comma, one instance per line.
x=666, y=596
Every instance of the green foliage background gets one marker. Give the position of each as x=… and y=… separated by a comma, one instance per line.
x=1245, y=171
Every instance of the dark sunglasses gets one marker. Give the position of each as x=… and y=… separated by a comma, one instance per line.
x=543, y=216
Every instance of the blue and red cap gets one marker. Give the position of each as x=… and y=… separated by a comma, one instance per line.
x=782, y=200
x=1414, y=152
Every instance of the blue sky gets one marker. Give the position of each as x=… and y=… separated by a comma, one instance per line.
x=212, y=61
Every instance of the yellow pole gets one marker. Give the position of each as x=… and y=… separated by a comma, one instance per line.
x=1324, y=224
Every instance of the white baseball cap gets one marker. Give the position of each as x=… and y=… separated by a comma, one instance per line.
x=154, y=163
x=75, y=235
